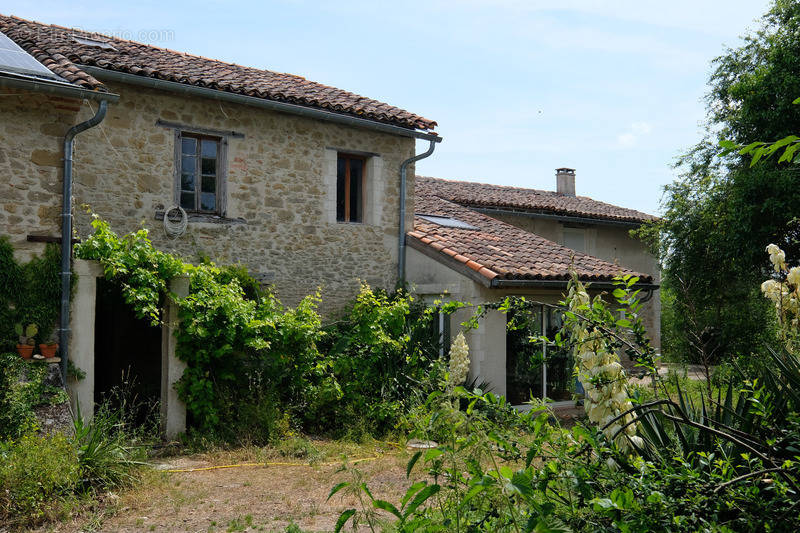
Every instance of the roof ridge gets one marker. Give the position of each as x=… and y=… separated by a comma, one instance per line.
x=552, y=200
x=114, y=38
x=495, y=185
x=149, y=60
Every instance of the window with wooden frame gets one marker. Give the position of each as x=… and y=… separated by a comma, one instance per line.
x=200, y=173
x=350, y=188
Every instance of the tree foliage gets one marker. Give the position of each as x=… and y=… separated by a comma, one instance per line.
x=723, y=210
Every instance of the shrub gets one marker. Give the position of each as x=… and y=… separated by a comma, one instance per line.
x=384, y=359
x=22, y=388
x=37, y=475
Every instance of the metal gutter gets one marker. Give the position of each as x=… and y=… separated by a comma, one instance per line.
x=272, y=105
x=401, y=238
x=561, y=218
x=561, y=284
x=66, y=231
x=32, y=83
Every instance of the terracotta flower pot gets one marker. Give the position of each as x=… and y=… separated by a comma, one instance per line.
x=48, y=350
x=25, y=350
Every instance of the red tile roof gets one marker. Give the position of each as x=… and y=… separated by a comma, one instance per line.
x=55, y=47
x=499, y=250
x=531, y=200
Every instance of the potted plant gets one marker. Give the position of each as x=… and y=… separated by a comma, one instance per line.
x=26, y=339
x=48, y=350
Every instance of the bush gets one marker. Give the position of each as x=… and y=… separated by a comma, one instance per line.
x=38, y=475
x=22, y=388
x=384, y=359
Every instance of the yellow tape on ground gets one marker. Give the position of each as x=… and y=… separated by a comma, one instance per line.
x=240, y=465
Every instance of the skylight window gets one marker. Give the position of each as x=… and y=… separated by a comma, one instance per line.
x=94, y=42
x=447, y=222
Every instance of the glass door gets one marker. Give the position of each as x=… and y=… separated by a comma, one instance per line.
x=534, y=368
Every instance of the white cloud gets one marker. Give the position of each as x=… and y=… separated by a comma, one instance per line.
x=634, y=132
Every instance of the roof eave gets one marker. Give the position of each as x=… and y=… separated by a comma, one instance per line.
x=448, y=261
x=273, y=105
x=498, y=283
x=555, y=216
x=31, y=83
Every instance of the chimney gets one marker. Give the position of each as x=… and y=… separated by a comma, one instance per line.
x=565, y=181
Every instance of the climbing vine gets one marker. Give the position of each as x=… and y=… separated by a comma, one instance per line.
x=253, y=364
x=29, y=292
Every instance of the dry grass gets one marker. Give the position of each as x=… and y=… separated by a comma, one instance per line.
x=249, y=498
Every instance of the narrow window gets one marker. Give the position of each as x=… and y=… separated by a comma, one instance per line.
x=575, y=239
x=199, y=187
x=350, y=188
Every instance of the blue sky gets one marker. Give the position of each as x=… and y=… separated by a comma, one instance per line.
x=519, y=88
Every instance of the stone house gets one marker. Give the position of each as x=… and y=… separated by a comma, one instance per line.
x=478, y=243
x=302, y=183
x=306, y=185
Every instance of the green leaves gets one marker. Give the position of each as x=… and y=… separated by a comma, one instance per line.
x=343, y=518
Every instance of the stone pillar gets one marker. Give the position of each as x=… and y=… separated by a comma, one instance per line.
x=81, y=341
x=173, y=410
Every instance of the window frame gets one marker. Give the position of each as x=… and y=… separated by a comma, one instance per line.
x=347, y=198
x=222, y=170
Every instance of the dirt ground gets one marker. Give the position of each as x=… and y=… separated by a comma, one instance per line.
x=245, y=498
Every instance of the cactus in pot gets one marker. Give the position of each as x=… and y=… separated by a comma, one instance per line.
x=26, y=339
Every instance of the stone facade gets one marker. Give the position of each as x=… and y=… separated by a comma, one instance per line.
x=281, y=175
x=32, y=128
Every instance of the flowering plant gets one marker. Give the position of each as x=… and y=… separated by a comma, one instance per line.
x=598, y=368
x=459, y=362
x=784, y=291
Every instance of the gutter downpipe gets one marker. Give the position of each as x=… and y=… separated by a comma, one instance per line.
x=66, y=232
x=401, y=245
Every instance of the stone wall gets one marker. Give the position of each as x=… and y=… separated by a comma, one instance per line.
x=32, y=128
x=279, y=220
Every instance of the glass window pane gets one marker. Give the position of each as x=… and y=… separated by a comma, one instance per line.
x=524, y=358
x=208, y=201
x=356, y=196
x=188, y=145
x=560, y=379
x=187, y=163
x=187, y=181
x=209, y=166
x=340, y=190
x=208, y=184
x=209, y=148
x=187, y=200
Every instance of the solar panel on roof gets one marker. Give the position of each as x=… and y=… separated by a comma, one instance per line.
x=447, y=222
x=15, y=59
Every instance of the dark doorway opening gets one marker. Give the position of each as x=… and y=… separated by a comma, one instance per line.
x=127, y=357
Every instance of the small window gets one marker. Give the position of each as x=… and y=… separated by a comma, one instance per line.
x=199, y=173
x=575, y=239
x=350, y=188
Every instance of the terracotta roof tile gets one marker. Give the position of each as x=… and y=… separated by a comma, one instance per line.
x=500, y=250
x=533, y=200
x=55, y=47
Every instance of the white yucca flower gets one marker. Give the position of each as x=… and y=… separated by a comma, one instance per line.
x=785, y=295
x=459, y=361
x=601, y=374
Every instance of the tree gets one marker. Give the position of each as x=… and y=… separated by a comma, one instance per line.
x=723, y=211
